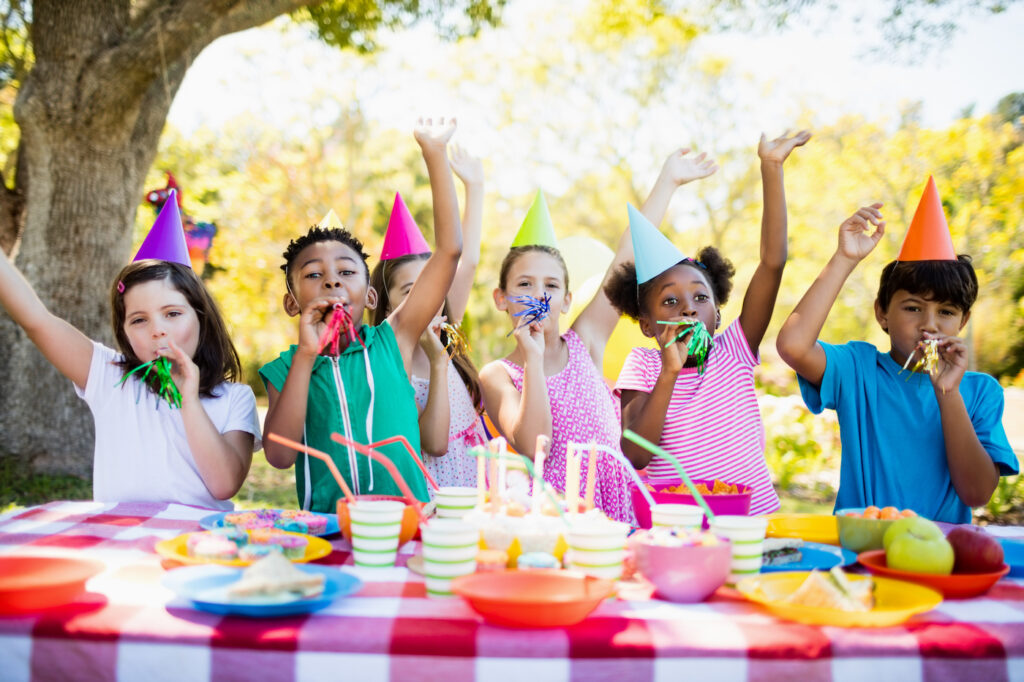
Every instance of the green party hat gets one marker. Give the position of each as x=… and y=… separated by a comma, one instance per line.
x=536, y=229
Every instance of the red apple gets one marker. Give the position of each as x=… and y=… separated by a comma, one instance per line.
x=975, y=550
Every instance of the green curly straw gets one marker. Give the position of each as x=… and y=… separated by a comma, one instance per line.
x=162, y=368
x=481, y=451
x=700, y=341
x=652, y=448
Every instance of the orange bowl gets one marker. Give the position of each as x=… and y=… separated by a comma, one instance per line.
x=953, y=586
x=533, y=599
x=32, y=583
x=410, y=518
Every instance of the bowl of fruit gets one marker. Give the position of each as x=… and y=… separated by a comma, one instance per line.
x=963, y=563
x=862, y=529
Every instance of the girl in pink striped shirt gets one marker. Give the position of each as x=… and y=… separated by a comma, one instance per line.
x=705, y=416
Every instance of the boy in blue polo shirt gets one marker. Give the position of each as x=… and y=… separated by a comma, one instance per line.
x=929, y=437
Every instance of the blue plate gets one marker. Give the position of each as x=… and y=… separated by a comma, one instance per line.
x=205, y=587
x=217, y=521
x=1013, y=555
x=816, y=555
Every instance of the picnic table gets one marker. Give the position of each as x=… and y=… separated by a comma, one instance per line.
x=128, y=627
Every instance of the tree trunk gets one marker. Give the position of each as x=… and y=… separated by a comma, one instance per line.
x=90, y=112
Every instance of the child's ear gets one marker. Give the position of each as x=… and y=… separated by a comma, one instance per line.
x=566, y=303
x=371, y=298
x=291, y=306
x=880, y=315
x=500, y=302
x=646, y=328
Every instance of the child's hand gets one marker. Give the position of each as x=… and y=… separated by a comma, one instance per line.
x=432, y=135
x=952, y=362
x=854, y=240
x=681, y=169
x=430, y=340
x=469, y=168
x=673, y=353
x=530, y=338
x=778, y=150
x=313, y=322
x=184, y=371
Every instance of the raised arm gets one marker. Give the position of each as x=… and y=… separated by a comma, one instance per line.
x=798, y=339
x=759, y=299
x=597, y=321
x=67, y=349
x=412, y=316
x=471, y=171
x=435, y=419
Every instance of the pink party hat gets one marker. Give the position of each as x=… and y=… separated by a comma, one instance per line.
x=166, y=239
x=403, y=237
x=928, y=235
x=653, y=253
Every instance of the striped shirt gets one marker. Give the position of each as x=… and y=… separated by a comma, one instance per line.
x=713, y=425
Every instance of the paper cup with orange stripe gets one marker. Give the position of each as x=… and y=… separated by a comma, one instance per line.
x=375, y=528
x=449, y=551
x=746, y=536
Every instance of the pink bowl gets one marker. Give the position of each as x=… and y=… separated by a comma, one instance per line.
x=683, y=574
x=736, y=505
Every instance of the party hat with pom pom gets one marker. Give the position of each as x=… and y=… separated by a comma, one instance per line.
x=928, y=236
x=536, y=229
x=403, y=237
x=653, y=253
x=166, y=239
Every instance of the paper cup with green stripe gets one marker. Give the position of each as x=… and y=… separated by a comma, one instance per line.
x=375, y=528
x=449, y=551
x=686, y=516
x=454, y=502
x=746, y=536
x=597, y=547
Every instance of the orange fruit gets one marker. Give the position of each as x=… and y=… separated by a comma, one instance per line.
x=908, y=512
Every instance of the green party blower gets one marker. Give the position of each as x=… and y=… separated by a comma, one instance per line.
x=654, y=449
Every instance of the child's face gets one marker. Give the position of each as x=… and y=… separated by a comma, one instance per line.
x=156, y=312
x=912, y=318
x=535, y=273
x=329, y=269
x=402, y=279
x=680, y=293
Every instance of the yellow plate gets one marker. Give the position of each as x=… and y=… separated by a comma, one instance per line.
x=176, y=549
x=809, y=527
x=895, y=601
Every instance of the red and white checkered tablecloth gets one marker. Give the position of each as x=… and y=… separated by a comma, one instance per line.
x=130, y=628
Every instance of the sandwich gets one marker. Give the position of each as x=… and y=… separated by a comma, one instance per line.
x=781, y=551
x=834, y=590
x=275, y=577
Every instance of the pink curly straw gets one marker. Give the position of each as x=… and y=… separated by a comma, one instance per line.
x=419, y=462
x=389, y=465
x=323, y=456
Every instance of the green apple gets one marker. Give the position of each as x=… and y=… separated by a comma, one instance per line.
x=917, y=545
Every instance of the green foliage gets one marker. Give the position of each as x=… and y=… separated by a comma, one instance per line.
x=355, y=23
x=19, y=487
x=1007, y=500
x=801, y=449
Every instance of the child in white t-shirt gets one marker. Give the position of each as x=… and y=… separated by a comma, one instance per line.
x=196, y=451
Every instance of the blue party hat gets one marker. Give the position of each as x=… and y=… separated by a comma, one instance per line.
x=653, y=253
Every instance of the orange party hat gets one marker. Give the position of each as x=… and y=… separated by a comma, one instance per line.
x=928, y=237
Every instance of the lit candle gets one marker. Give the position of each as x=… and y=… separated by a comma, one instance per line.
x=588, y=501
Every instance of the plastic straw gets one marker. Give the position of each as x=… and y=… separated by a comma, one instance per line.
x=323, y=456
x=630, y=469
x=479, y=451
x=389, y=465
x=651, y=447
x=412, y=453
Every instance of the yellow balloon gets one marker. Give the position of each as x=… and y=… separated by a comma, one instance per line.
x=584, y=295
x=626, y=337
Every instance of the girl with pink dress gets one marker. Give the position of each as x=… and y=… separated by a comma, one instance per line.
x=550, y=384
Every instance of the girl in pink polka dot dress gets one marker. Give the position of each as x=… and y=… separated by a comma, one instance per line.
x=446, y=384
x=551, y=383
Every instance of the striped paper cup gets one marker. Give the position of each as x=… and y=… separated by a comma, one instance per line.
x=746, y=535
x=449, y=551
x=375, y=529
x=454, y=502
x=684, y=516
x=597, y=547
